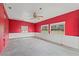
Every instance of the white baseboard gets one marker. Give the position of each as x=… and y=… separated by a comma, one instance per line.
x=19, y=35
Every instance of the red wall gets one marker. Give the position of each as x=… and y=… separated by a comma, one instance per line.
x=3, y=28
x=72, y=24
x=71, y=20
x=49, y=21
x=15, y=26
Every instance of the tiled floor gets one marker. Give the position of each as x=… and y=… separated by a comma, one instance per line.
x=35, y=47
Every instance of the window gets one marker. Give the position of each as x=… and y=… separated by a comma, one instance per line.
x=57, y=28
x=44, y=28
x=24, y=28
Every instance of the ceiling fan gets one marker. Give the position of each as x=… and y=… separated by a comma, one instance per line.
x=36, y=15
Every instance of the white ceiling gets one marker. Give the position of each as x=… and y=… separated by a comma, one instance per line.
x=23, y=11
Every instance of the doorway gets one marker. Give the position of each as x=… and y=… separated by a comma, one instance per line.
x=58, y=32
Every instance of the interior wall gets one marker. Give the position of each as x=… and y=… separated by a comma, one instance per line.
x=15, y=26
x=3, y=28
x=72, y=24
x=70, y=19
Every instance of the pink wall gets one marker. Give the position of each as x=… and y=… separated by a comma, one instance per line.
x=15, y=26
x=71, y=19
x=3, y=28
